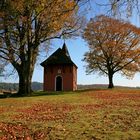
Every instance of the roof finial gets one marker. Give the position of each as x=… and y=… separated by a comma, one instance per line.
x=65, y=50
x=64, y=38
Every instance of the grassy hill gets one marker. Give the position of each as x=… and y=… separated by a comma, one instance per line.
x=98, y=114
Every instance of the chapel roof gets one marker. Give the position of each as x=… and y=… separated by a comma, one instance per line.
x=60, y=56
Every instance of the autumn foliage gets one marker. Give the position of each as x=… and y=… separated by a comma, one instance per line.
x=26, y=25
x=114, y=46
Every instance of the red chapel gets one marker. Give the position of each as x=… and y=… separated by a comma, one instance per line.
x=60, y=73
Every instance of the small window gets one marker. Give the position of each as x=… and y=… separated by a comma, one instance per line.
x=59, y=71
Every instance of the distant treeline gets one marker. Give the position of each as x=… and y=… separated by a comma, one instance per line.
x=39, y=86
x=14, y=86
x=101, y=86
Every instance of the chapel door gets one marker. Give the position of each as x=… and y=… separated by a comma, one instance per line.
x=58, y=83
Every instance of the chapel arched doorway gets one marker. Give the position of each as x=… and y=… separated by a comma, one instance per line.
x=58, y=83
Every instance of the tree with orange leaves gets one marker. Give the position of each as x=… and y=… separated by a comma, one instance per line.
x=26, y=24
x=114, y=46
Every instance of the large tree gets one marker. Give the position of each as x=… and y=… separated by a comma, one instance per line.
x=114, y=46
x=26, y=24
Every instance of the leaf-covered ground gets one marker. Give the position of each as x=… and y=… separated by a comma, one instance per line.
x=85, y=115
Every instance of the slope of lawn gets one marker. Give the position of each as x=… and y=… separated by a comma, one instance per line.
x=97, y=114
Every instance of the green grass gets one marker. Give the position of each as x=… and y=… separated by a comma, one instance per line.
x=98, y=114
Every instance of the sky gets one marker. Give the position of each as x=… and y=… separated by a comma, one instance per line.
x=77, y=47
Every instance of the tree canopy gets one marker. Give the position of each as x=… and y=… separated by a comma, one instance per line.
x=26, y=24
x=114, y=46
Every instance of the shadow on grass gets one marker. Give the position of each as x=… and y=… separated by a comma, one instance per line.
x=91, y=89
x=49, y=93
x=2, y=96
x=42, y=93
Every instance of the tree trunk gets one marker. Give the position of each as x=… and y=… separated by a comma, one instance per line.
x=25, y=72
x=24, y=83
x=110, y=77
